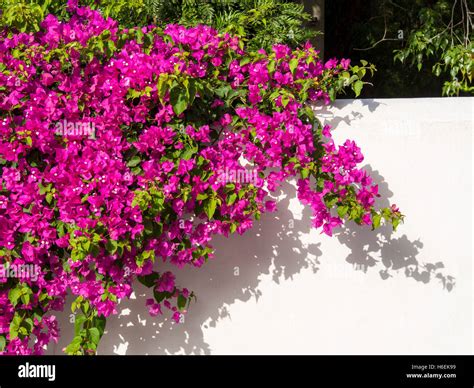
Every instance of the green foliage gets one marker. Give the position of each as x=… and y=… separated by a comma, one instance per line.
x=26, y=15
x=260, y=23
x=443, y=31
x=430, y=36
x=21, y=15
x=353, y=78
x=88, y=328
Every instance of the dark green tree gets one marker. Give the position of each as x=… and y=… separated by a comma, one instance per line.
x=419, y=46
x=260, y=23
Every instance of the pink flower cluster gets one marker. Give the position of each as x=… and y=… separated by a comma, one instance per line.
x=170, y=109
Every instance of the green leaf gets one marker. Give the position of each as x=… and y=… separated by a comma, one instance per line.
x=395, y=223
x=3, y=343
x=13, y=332
x=229, y=187
x=178, y=99
x=87, y=246
x=94, y=335
x=210, y=207
x=149, y=280
x=304, y=173
x=162, y=85
x=342, y=211
x=49, y=198
x=181, y=302
x=99, y=322
x=28, y=325
x=271, y=66
x=111, y=246
x=293, y=65
x=222, y=91
x=191, y=91
x=201, y=196
x=331, y=200
x=231, y=199
x=376, y=221
x=44, y=189
x=135, y=161
x=25, y=297
x=285, y=100
x=144, y=256
x=132, y=93
x=188, y=152
x=357, y=87
x=15, y=326
x=13, y=295
x=78, y=322
x=345, y=74
x=74, y=346
x=161, y=296
x=244, y=61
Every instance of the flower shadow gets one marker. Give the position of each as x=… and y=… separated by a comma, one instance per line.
x=273, y=247
x=382, y=250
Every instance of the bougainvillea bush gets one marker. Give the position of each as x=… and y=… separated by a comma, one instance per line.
x=121, y=149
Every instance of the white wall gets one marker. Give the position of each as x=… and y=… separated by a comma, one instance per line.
x=300, y=292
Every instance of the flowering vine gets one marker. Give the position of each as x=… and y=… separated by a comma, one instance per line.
x=191, y=135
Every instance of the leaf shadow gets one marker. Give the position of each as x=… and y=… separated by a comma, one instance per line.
x=273, y=247
x=383, y=250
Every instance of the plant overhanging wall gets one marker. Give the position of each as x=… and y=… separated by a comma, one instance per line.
x=121, y=148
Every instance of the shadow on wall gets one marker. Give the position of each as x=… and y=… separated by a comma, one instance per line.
x=272, y=247
x=333, y=118
x=396, y=253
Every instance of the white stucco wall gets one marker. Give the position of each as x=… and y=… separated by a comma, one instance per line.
x=300, y=292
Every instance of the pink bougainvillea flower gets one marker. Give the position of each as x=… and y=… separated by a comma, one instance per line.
x=121, y=149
